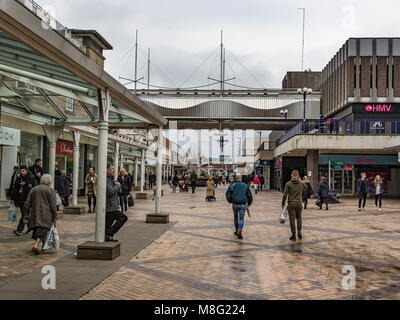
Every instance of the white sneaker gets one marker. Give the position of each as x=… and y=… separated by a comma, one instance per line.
x=379, y=209
x=363, y=209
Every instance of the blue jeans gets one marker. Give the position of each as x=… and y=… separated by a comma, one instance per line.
x=123, y=200
x=239, y=210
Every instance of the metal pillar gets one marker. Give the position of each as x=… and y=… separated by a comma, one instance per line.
x=116, y=158
x=136, y=171
x=75, y=174
x=142, y=169
x=52, y=133
x=102, y=166
x=159, y=168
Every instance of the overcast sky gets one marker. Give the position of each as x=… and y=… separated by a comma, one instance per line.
x=264, y=36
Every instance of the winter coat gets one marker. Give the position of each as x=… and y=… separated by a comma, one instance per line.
x=239, y=193
x=59, y=183
x=175, y=181
x=66, y=182
x=294, y=191
x=125, y=185
x=382, y=189
x=358, y=185
x=193, y=177
x=323, y=190
x=29, y=182
x=256, y=181
x=34, y=170
x=88, y=180
x=112, y=199
x=40, y=207
x=309, y=191
x=210, y=189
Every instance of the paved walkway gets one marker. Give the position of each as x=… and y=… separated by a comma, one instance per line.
x=200, y=258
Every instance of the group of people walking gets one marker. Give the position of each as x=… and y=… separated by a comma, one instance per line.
x=183, y=182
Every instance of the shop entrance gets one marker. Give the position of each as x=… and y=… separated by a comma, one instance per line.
x=343, y=181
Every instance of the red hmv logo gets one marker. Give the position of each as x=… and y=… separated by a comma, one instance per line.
x=378, y=107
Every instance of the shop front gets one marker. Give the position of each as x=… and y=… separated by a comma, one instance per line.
x=347, y=168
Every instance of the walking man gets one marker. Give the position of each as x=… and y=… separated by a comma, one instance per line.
x=256, y=182
x=293, y=193
x=362, y=189
x=193, y=180
x=115, y=219
x=239, y=195
x=323, y=193
x=37, y=170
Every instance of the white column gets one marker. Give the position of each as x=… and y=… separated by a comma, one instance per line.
x=122, y=162
x=136, y=171
x=8, y=161
x=142, y=168
x=116, y=158
x=52, y=133
x=159, y=168
x=75, y=173
x=102, y=166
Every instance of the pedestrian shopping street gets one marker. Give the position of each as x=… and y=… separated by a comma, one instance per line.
x=198, y=257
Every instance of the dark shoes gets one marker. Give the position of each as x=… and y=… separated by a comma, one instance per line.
x=235, y=233
x=35, y=250
x=300, y=236
x=293, y=238
x=110, y=239
x=239, y=234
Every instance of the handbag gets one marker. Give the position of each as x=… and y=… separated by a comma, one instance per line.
x=12, y=213
x=283, y=216
x=58, y=200
x=131, y=202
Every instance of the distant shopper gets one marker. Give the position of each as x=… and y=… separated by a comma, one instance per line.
x=323, y=193
x=362, y=189
x=378, y=190
x=210, y=191
x=239, y=195
x=262, y=182
x=187, y=181
x=59, y=184
x=193, y=180
x=256, y=182
x=308, y=192
x=175, y=183
x=115, y=219
x=41, y=211
x=67, y=189
x=125, y=182
x=293, y=194
x=12, y=182
x=23, y=184
x=37, y=170
x=91, y=189
x=152, y=180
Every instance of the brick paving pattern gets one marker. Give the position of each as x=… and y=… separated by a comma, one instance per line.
x=200, y=258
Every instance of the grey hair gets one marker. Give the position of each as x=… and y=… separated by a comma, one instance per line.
x=46, y=179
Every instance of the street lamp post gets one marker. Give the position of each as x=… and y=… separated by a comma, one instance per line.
x=304, y=92
x=285, y=114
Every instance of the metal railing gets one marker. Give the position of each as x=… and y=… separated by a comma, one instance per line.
x=343, y=127
x=49, y=21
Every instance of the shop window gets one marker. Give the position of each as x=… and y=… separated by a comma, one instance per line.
x=69, y=104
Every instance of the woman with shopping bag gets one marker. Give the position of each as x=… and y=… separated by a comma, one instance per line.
x=41, y=211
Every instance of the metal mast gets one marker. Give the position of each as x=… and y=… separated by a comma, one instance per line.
x=222, y=63
x=302, y=51
x=136, y=48
x=148, y=69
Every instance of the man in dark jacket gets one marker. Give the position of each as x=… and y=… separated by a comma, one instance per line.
x=294, y=193
x=113, y=214
x=323, y=193
x=193, y=180
x=22, y=186
x=37, y=170
x=362, y=186
x=239, y=195
x=152, y=180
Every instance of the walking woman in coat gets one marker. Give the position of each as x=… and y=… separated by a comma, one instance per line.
x=90, y=189
x=308, y=192
x=378, y=190
x=41, y=211
x=210, y=192
x=125, y=182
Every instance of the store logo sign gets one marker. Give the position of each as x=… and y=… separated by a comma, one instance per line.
x=378, y=108
x=363, y=159
x=10, y=137
x=65, y=148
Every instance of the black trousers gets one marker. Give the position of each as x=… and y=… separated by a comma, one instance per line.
x=151, y=184
x=362, y=197
x=90, y=201
x=378, y=198
x=194, y=184
x=114, y=221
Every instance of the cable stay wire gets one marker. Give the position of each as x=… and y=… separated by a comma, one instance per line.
x=201, y=64
x=244, y=67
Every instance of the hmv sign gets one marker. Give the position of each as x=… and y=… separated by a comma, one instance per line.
x=377, y=110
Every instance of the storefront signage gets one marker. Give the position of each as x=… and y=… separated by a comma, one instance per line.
x=378, y=107
x=65, y=148
x=10, y=137
x=357, y=159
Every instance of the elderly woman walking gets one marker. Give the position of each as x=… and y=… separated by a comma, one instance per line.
x=210, y=192
x=41, y=211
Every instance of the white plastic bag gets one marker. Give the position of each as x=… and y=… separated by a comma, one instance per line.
x=52, y=240
x=12, y=213
x=283, y=216
x=58, y=200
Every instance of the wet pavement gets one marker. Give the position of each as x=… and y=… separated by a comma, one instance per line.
x=200, y=258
